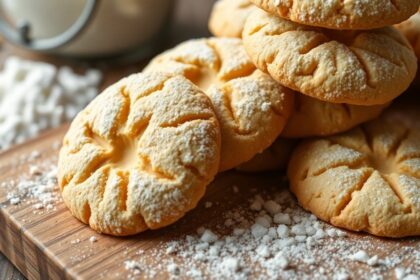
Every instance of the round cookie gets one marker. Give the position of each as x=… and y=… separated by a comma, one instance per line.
x=140, y=155
x=313, y=117
x=274, y=157
x=251, y=107
x=227, y=18
x=411, y=30
x=339, y=14
x=367, y=179
x=350, y=67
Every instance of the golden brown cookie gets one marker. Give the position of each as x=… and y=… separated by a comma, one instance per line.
x=274, y=157
x=339, y=14
x=251, y=107
x=411, y=30
x=350, y=67
x=367, y=179
x=140, y=155
x=313, y=117
x=227, y=18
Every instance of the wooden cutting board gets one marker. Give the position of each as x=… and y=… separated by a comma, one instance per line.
x=41, y=244
x=51, y=244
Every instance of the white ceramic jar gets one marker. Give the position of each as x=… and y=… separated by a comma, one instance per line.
x=117, y=26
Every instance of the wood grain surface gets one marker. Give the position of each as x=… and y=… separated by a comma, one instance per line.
x=8, y=271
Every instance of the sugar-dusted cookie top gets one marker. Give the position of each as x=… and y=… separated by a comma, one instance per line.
x=313, y=117
x=227, y=18
x=352, y=67
x=339, y=14
x=367, y=179
x=251, y=107
x=140, y=155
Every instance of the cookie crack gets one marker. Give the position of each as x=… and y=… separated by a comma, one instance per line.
x=103, y=184
x=245, y=5
x=194, y=170
x=149, y=91
x=315, y=42
x=230, y=110
x=243, y=72
x=353, y=165
x=66, y=181
x=368, y=137
x=409, y=171
x=347, y=200
x=140, y=127
x=146, y=167
x=397, y=144
x=187, y=119
x=125, y=178
x=256, y=29
x=126, y=108
x=387, y=59
x=90, y=169
x=274, y=33
x=87, y=212
x=218, y=64
x=393, y=187
x=364, y=67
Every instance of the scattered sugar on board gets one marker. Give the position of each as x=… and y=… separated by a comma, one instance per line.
x=36, y=96
x=37, y=185
x=273, y=238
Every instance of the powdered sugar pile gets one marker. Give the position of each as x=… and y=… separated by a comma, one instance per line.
x=273, y=238
x=35, y=96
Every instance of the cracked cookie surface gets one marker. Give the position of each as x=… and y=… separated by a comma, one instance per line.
x=313, y=117
x=367, y=179
x=227, y=18
x=350, y=67
x=339, y=14
x=140, y=155
x=252, y=108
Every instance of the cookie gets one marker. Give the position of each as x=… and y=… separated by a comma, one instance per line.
x=140, y=155
x=350, y=67
x=251, y=107
x=227, y=18
x=338, y=14
x=275, y=157
x=313, y=117
x=411, y=30
x=367, y=179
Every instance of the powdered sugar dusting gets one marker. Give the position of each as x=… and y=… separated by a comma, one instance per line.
x=37, y=186
x=271, y=237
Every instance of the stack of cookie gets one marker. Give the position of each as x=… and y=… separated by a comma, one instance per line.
x=345, y=64
x=143, y=152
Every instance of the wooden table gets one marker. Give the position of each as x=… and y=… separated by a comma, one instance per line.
x=190, y=21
